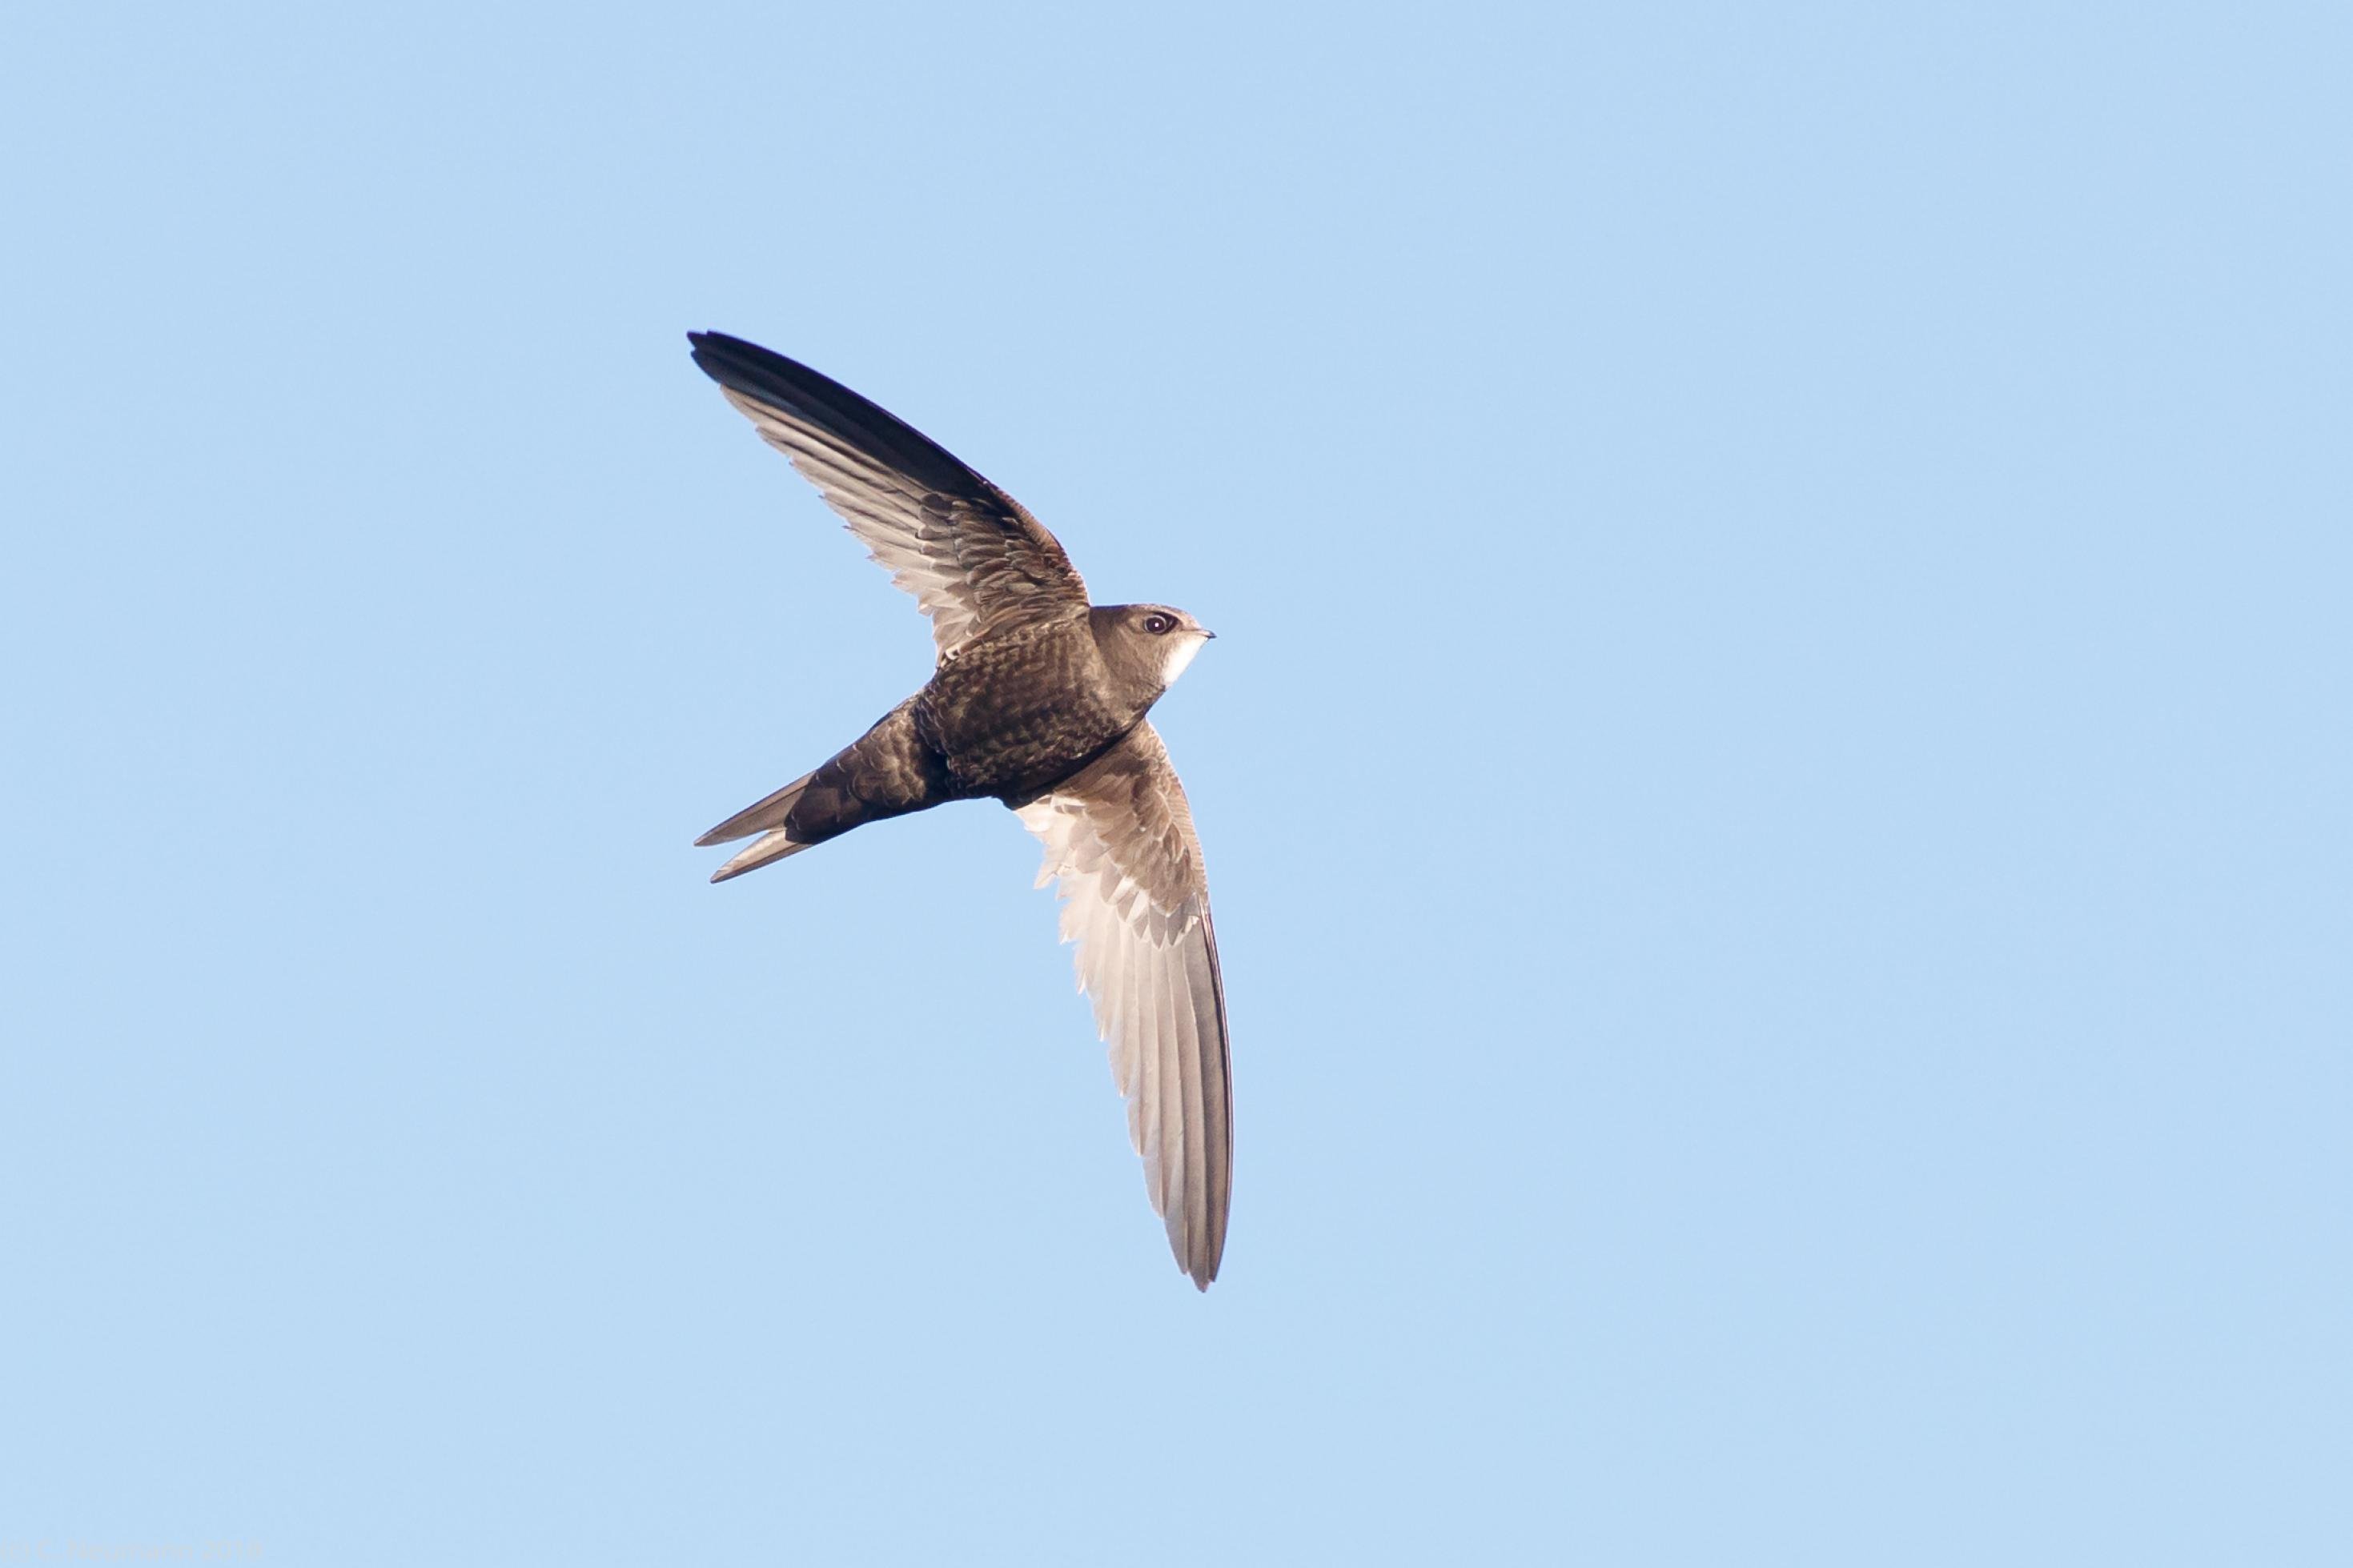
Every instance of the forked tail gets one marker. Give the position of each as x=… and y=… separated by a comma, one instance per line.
x=887, y=772
x=768, y=818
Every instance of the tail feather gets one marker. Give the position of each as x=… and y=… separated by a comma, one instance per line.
x=888, y=771
x=771, y=846
x=763, y=817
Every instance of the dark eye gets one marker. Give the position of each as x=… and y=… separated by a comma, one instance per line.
x=1159, y=625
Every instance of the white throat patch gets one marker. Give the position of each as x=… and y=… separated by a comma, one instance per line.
x=1178, y=653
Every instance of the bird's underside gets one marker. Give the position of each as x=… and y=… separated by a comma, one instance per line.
x=1038, y=700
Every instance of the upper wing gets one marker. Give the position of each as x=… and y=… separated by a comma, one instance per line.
x=1120, y=839
x=974, y=558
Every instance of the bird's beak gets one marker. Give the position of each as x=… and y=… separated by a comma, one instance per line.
x=1207, y=632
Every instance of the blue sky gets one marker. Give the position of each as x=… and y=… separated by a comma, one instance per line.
x=1775, y=774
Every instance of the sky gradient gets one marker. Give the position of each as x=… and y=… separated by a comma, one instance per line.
x=1775, y=776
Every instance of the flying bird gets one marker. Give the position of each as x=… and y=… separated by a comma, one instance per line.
x=1037, y=699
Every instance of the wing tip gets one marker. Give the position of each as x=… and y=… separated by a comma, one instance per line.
x=735, y=365
x=733, y=361
x=813, y=397
x=1199, y=1263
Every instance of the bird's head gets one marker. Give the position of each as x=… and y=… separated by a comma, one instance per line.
x=1149, y=645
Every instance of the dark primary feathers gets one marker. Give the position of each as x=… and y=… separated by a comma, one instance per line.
x=972, y=556
x=1044, y=712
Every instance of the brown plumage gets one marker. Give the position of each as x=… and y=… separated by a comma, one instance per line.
x=1038, y=700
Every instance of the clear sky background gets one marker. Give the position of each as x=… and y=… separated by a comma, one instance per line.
x=1776, y=774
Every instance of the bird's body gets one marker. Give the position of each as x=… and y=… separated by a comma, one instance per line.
x=1019, y=712
x=1038, y=700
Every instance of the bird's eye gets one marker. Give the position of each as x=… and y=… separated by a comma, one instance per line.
x=1159, y=625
